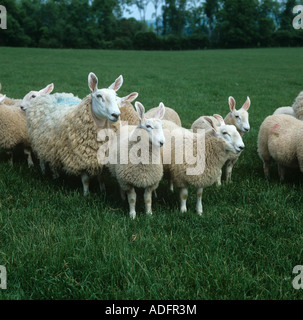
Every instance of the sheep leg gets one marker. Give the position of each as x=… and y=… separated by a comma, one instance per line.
x=10, y=154
x=281, y=170
x=219, y=183
x=42, y=166
x=85, y=183
x=101, y=183
x=122, y=194
x=30, y=162
x=229, y=168
x=55, y=173
x=171, y=185
x=131, y=196
x=266, y=168
x=199, y=207
x=148, y=200
x=183, y=198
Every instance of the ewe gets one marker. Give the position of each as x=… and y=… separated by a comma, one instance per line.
x=13, y=129
x=209, y=157
x=139, y=164
x=65, y=136
x=280, y=139
x=238, y=118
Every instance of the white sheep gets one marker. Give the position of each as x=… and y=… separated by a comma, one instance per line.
x=280, y=139
x=209, y=157
x=170, y=115
x=144, y=171
x=238, y=118
x=285, y=110
x=65, y=136
x=13, y=129
x=298, y=106
x=128, y=113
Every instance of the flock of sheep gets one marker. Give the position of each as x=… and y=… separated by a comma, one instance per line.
x=78, y=136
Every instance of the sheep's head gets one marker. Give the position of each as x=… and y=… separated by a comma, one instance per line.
x=228, y=133
x=153, y=126
x=127, y=99
x=104, y=101
x=241, y=115
x=33, y=94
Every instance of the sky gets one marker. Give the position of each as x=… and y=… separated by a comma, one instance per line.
x=135, y=13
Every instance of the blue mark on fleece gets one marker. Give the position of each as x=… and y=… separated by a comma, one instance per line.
x=68, y=100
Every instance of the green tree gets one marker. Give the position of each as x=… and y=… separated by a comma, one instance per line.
x=174, y=17
x=237, y=23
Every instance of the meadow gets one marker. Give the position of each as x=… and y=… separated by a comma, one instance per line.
x=57, y=244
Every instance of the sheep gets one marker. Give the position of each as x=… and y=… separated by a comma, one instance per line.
x=285, y=110
x=170, y=115
x=298, y=106
x=13, y=129
x=280, y=139
x=145, y=171
x=128, y=113
x=209, y=157
x=238, y=118
x=65, y=136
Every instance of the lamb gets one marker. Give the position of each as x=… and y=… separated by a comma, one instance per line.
x=144, y=171
x=170, y=115
x=209, y=160
x=65, y=136
x=285, y=110
x=280, y=139
x=298, y=106
x=13, y=129
x=238, y=118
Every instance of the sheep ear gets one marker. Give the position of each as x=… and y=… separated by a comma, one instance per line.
x=219, y=118
x=246, y=104
x=232, y=104
x=141, y=111
x=2, y=98
x=0, y=86
x=160, y=112
x=211, y=123
x=131, y=97
x=48, y=89
x=117, y=84
x=92, y=82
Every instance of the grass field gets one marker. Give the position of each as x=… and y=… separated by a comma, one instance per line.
x=56, y=244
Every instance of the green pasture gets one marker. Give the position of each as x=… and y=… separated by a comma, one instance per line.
x=56, y=244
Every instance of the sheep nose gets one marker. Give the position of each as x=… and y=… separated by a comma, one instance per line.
x=161, y=143
x=115, y=115
x=242, y=147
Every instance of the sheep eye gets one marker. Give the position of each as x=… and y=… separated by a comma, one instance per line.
x=33, y=96
x=225, y=133
x=99, y=96
x=148, y=126
x=237, y=117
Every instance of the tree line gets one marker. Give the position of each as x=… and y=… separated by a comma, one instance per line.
x=177, y=24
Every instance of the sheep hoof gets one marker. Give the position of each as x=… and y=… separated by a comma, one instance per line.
x=149, y=212
x=200, y=213
x=183, y=210
x=132, y=215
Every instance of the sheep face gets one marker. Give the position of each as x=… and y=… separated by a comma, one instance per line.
x=240, y=116
x=104, y=101
x=153, y=126
x=231, y=136
x=228, y=133
x=33, y=94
